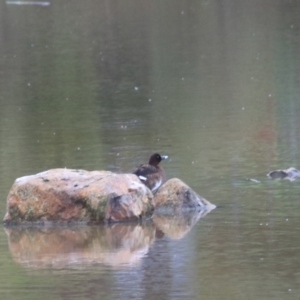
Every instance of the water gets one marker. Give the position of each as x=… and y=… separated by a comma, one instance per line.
x=102, y=85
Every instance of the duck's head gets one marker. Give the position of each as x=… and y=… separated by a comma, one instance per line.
x=156, y=158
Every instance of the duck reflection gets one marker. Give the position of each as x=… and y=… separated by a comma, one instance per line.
x=116, y=245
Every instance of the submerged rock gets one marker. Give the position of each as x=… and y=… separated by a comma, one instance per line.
x=290, y=174
x=253, y=180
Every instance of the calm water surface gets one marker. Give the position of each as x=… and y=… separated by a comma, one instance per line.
x=101, y=85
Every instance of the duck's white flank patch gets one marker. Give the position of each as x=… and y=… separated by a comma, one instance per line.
x=142, y=178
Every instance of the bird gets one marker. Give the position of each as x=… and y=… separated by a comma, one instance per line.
x=151, y=174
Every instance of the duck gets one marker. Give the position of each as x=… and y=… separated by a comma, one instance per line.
x=151, y=174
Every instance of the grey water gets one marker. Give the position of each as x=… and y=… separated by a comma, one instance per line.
x=215, y=85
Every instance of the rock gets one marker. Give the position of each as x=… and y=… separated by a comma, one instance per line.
x=64, y=196
x=175, y=195
x=127, y=206
x=290, y=174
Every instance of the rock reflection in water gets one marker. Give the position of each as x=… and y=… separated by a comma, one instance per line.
x=117, y=245
x=178, y=225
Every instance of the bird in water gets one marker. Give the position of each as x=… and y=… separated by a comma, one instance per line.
x=151, y=174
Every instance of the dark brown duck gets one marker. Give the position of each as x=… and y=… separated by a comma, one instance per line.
x=151, y=174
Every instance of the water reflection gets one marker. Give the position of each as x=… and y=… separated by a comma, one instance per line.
x=176, y=226
x=41, y=3
x=117, y=245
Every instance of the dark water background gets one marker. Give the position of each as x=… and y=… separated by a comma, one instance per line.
x=103, y=84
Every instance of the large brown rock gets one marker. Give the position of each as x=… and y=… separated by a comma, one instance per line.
x=76, y=196
x=175, y=195
x=64, y=196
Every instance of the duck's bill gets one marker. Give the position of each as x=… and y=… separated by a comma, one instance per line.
x=164, y=157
